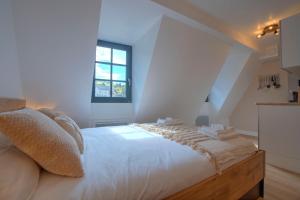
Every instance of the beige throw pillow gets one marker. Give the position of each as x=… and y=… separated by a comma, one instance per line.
x=43, y=140
x=68, y=124
x=72, y=128
x=50, y=113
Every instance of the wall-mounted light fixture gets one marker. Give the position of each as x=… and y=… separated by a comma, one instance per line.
x=273, y=28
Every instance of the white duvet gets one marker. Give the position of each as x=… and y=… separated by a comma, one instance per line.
x=128, y=163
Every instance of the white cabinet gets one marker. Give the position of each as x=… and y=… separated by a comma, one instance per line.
x=290, y=43
x=279, y=135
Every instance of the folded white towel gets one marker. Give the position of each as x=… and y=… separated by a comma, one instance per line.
x=214, y=131
x=228, y=135
x=219, y=134
x=225, y=152
x=169, y=121
x=217, y=126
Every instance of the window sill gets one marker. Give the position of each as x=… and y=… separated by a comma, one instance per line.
x=111, y=100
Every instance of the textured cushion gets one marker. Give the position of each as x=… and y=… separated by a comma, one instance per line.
x=68, y=124
x=8, y=104
x=4, y=141
x=43, y=140
x=19, y=174
x=50, y=113
x=72, y=128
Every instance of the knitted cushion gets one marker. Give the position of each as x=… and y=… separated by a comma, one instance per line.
x=43, y=140
x=70, y=126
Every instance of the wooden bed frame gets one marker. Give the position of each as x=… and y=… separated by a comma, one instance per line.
x=7, y=104
x=243, y=180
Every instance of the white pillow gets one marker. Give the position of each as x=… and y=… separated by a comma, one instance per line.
x=19, y=174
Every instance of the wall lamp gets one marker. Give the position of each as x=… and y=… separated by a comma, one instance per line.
x=273, y=28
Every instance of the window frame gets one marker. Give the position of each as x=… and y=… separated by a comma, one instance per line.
x=128, y=98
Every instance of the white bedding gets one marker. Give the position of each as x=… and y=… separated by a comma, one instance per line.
x=128, y=163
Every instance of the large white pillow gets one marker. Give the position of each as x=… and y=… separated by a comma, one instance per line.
x=19, y=174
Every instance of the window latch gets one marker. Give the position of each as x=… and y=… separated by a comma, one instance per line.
x=129, y=82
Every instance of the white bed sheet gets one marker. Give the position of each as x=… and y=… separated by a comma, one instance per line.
x=128, y=163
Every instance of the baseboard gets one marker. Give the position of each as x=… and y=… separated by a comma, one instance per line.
x=109, y=122
x=249, y=133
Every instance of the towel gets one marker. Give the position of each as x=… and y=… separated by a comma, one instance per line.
x=223, y=153
x=217, y=127
x=169, y=121
x=224, y=134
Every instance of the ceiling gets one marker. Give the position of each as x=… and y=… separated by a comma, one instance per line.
x=125, y=21
x=248, y=16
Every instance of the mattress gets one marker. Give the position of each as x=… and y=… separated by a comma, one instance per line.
x=128, y=163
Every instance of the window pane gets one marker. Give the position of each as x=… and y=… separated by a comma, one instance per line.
x=102, y=88
x=119, y=73
x=119, y=57
x=102, y=71
x=119, y=89
x=103, y=54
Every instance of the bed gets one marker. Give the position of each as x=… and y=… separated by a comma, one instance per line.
x=128, y=162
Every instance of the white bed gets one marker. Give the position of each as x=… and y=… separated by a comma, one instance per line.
x=128, y=163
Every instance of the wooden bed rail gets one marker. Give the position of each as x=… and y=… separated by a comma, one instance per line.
x=232, y=184
x=9, y=104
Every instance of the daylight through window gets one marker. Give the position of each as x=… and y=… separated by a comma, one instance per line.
x=112, y=77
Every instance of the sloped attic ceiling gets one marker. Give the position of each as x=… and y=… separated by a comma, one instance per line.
x=240, y=20
x=184, y=65
x=248, y=16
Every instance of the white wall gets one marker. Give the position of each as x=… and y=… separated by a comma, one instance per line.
x=245, y=116
x=185, y=63
x=293, y=82
x=56, y=46
x=238, y=89
x=10, y=82
x=107, y=112
x=143, y=50
x=225, y=82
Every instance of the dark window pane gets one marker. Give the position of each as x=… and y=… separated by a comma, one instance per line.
x=119, y=89
x=119, y=73
x=103, y=54
x=102, y=88
x=102, y=71
x=119, y=57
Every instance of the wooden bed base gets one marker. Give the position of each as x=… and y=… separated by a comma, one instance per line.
x=243, y=180
x=7, y=104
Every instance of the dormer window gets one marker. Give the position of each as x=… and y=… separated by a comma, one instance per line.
x=112, y=76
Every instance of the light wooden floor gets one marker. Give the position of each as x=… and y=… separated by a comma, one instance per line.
x=280, y=184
